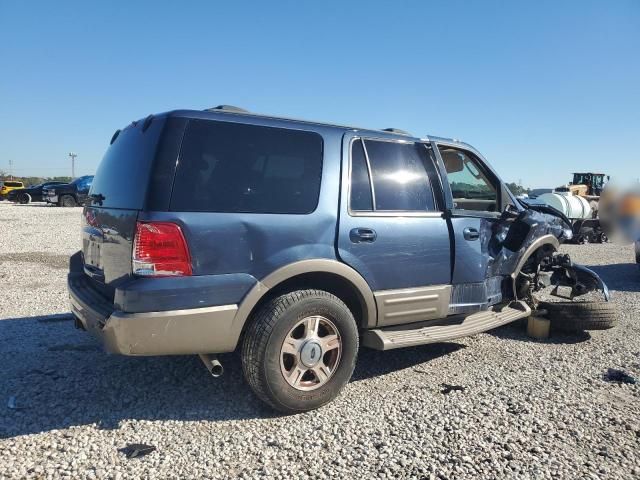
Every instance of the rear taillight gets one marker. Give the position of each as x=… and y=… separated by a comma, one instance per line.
x=160, y=250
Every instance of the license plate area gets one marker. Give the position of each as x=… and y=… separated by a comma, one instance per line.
x=93, y=255
x=92, y=244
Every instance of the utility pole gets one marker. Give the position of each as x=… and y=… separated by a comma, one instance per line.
x=10, y=169
x=73, y=164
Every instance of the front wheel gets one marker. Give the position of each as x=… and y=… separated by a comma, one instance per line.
x=300, y=350
x=67, y=201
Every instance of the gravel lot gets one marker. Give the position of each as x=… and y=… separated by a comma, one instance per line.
x=529, y=409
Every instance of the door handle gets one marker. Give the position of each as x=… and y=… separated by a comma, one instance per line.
x=359, y=235
x=470, y=234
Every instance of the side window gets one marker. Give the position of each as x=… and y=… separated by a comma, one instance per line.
x=472, y=189
x=400, y=180
x=84, y=184
x=360, y=197
x=238, y=168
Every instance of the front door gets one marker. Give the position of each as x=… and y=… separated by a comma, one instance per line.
x=475, y=191
x=392, y=228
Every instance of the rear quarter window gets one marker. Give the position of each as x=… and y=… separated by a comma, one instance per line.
x=123, y=174
x=238, y=168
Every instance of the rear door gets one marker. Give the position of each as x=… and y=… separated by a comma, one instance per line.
x=117, y=194
x=392, y=229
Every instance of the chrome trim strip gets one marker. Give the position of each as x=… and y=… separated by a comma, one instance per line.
x=394, y=213
x=371, y=186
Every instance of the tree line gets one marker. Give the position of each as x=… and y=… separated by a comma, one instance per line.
x=28, y=181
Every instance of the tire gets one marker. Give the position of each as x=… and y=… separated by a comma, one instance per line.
x=67, y=201
x=580, y=316
x=264, y=358
x=24, y=198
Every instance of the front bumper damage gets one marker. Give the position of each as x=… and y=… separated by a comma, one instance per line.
x=578, y=278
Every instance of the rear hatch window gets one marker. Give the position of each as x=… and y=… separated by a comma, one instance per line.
x=117, y=195
x=123, y=175
x=238, y=168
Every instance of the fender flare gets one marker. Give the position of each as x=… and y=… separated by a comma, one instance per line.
x=537, y=243
x=262, y=287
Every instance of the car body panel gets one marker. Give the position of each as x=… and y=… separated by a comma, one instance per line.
x=78, y=189
x=35, y=191
x=7, y=186
x=417, y=266
x=411, y=249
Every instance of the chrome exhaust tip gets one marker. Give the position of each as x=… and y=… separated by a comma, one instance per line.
x=213, y=364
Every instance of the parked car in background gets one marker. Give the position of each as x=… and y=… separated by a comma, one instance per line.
x=7, y=186
x=297, y=242
x=69, y=194
x=30, y=194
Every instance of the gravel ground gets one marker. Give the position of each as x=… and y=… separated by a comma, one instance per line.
x=529, y=409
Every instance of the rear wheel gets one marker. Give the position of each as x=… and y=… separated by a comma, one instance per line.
x=580, y=316
x=24, y=198
x=67, y=201
x=300, y=350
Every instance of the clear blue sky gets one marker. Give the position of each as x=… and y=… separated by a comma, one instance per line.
x=541, y=88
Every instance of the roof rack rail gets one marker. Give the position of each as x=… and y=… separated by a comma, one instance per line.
x=397, y=130
x=226, y=108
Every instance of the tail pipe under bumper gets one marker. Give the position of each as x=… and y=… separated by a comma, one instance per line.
x=213, y=364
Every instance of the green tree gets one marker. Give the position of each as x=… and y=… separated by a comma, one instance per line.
x=517, y=189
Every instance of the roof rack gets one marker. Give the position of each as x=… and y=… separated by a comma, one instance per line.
x=226, y=108
x=397, y=130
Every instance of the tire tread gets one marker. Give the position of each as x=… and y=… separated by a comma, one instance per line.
x=257, y=336
x=579, y=316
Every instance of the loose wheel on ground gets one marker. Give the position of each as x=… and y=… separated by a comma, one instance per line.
x=300, y=350
x=580, y=316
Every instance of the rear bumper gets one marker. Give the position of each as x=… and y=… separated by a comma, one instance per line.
x=176, y=332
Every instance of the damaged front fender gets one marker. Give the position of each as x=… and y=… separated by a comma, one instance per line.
x=581, y=280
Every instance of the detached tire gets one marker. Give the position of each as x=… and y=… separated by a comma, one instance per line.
x=300, y=350
x=580, y=316
x=67, y=201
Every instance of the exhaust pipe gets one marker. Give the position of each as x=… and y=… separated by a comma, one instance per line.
x=212, y=363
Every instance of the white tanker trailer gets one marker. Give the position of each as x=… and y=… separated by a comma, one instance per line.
x=581, y=212
x=573, y=206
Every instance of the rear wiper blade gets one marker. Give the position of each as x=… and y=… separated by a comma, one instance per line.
x=97, y=198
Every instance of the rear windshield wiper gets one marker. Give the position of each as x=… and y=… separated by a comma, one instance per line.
x=97, y=198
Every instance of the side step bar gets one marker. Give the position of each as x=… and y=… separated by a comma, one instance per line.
x=446, y=329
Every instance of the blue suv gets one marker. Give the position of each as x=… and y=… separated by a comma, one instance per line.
x=297, y=242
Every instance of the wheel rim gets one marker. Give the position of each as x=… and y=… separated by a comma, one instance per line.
x=310, y=353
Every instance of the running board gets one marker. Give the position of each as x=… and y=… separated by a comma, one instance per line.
x=410, y=335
